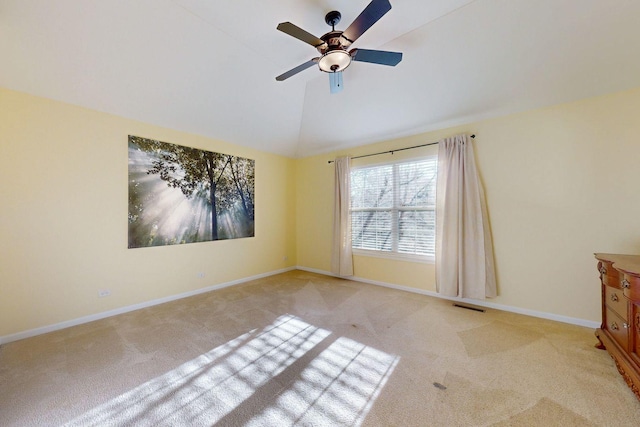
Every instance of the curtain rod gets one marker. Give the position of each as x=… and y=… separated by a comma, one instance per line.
x=393, y=151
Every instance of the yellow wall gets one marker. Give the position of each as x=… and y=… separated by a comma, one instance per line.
x=315, y=217
x=561, y=183
x=63, y=226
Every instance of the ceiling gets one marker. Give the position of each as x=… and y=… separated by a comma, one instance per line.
x=209, y=67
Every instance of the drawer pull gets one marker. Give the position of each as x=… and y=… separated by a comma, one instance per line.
x=614, y=326
x=625, y=325
x=614, y=297
x=625, y=284
x=603, y=271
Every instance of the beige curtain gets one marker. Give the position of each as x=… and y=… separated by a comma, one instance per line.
x=342, y=257
x=464, y=249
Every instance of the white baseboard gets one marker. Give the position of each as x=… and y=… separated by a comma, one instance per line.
x=541, y=314
x=86, y=319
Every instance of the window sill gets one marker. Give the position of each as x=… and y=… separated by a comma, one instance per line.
x=423, y=259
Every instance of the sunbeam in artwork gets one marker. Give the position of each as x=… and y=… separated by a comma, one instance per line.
x=183, y=195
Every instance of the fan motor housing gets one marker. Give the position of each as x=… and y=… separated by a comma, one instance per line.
x=332, y=40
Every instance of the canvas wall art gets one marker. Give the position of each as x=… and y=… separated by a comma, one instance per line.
x=179, y=194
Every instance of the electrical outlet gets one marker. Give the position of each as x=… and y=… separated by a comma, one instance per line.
x=284, y=258
x=104, y=293
x=201, y=275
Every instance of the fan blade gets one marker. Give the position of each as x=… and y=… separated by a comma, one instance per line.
x=369, y=16
x=297, y=69
x=381, y=57
x=335, y=82
x=300, y=34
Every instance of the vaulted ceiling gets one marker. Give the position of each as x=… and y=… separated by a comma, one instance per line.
x=209, y=67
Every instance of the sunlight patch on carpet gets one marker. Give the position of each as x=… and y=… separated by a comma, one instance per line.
x=290, y=372
x=337, y=388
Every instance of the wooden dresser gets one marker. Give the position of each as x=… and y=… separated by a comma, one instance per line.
x=620, y=329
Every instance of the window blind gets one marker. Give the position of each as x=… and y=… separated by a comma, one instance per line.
x=393, y=207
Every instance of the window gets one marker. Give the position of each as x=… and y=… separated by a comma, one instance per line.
x=393, y=209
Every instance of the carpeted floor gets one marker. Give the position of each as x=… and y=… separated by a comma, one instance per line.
x=304, y=349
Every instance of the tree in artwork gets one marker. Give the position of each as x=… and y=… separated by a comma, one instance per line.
x=180, y=194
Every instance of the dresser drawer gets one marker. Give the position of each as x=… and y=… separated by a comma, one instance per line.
x=618, y=328
x=635, y=331
x=609, y=275
x=615, y=300
x=631, y=286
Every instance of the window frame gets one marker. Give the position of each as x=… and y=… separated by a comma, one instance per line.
x=395, y=213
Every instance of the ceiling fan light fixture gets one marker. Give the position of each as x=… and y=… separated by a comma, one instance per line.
x=332, y=46
x=334, y=61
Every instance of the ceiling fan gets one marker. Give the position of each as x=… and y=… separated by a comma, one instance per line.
x=333, y=45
